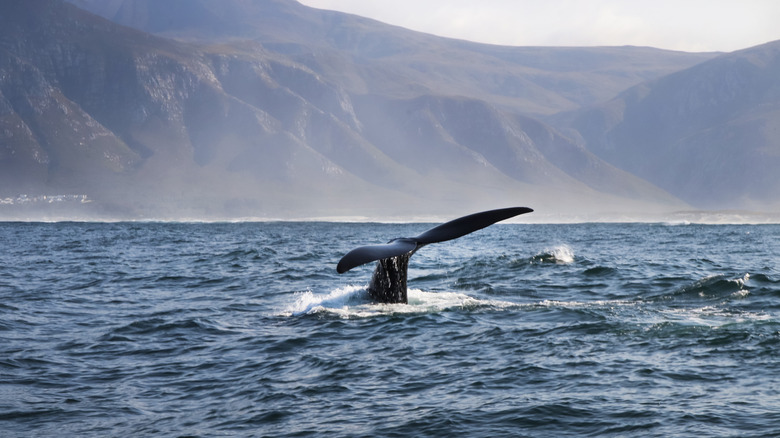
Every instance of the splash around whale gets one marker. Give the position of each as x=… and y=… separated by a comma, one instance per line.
x=388, y=283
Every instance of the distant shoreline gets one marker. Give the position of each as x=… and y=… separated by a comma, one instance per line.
x=698, y=217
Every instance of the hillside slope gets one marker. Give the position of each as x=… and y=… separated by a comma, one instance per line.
x=709, y=134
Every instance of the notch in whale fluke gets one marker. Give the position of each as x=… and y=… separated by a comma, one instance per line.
x=388, y=283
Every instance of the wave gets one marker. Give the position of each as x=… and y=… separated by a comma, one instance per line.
x=353, y=302
x=711, y=317
x=710, y=287
x=642, y=315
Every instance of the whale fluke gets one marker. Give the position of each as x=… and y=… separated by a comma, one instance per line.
x=388, y=284
x=370, y=253
x=468, y=224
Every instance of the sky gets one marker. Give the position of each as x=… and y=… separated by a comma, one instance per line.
x=687, y=25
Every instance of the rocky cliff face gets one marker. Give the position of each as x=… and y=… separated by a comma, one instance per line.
x=45, y=136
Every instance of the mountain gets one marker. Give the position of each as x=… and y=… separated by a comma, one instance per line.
x=709, y=134
x=305, y=120
x=143, y=125
x=368, y=56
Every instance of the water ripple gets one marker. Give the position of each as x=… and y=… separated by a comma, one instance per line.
x=246, y=329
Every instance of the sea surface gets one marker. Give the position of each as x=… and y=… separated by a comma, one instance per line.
x=246, y=329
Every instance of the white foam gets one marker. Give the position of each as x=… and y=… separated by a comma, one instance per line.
x=646, y=314
x=354, y=302
x=561, y=254
x=308, y=302
x=588, y=304
x=712, y=317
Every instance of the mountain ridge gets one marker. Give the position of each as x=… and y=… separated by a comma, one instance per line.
x=530, y=80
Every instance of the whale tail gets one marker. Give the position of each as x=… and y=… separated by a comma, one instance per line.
x=388, y=283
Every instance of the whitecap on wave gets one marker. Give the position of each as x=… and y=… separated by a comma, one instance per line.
x=561, y=254
x=651, y=315
x=587, y=304
x=354, y=302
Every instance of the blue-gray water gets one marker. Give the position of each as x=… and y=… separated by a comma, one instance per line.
x=134, y=329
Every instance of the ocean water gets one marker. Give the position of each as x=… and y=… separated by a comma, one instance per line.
x=160, y=329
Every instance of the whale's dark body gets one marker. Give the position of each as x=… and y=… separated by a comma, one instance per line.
x=388, y=284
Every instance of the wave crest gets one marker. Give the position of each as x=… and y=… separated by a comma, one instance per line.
x=561, y=254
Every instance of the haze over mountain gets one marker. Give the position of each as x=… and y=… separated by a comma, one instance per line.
x=709, y=134
x=267, y=108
